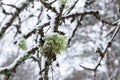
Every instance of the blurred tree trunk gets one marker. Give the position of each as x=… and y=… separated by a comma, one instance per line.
x=111, y=66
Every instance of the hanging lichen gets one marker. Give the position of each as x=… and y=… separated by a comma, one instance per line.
x=22, y=44
x=54, y=44
x=65, y=3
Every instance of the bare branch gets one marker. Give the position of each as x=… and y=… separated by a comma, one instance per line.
x=79, y=14
x=72, y=7
x=74, y=31
x=48, y=6
x=103, y=52
x=9, y=70
x=15, y=15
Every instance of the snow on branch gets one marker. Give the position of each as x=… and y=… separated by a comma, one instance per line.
x=9, y=70
x=80, y=14
x=103, y=52
x=14, y=16
x=49, y=6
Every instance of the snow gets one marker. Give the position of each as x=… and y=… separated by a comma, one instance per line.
x=63, y=60
x=14, y=63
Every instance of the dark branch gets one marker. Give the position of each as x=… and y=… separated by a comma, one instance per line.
x=8, y=71
x=15, y=15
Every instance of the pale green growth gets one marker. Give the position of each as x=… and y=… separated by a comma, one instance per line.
x=65, y=3
x=54, y=44
x=22, y=44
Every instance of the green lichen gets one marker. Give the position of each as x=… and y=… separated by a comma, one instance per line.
x=22, y=44
x=54, y=44
x=65, y=3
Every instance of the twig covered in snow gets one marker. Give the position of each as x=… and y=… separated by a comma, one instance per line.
x=79, y=14
x=72, y=7
x=103, y=52
x=74, y=31
x=14, y=16
x=9, y=70
x=49, y=6
x=58, y=19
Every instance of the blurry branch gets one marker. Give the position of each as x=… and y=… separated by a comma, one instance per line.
x=88, y=3
x=8, y=71
x=53, y=1
x=39, y=30
x=97, y=16
x=58, y=19
x=48, y=63
x=39, y=63
x=35, y=30
x=30, y=16
x=72, y=7
x=117, y=73
x=106, y=22
x=18, y=25
x=74, y=31
x=14, y=16
x=45, y=70
x=38, y=57
x=110, y=31
x=49, y=6
x=79, y=14
x=103, y=52
x=41, y=11
x=5, y=12
x=114, y=74
x=11, y=5
x=86, y=68
x=78, y=22
x=94, y=13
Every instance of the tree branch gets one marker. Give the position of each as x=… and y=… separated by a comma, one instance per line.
x=103, y=52
x=9, y=70
x=15, y=15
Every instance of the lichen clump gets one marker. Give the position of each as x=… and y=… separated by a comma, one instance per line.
x=22, y=44
x=54, y=44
